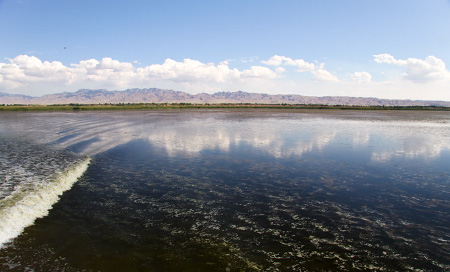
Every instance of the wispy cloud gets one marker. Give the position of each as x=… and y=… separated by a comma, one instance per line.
x=249, y=59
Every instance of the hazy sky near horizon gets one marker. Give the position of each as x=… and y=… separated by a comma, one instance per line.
x=367, y=48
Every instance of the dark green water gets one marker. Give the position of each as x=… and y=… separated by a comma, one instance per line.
x=255, y=190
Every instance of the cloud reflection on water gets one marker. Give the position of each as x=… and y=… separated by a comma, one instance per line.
x=280, y=134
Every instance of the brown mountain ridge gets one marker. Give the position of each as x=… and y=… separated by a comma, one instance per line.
x=155, y=95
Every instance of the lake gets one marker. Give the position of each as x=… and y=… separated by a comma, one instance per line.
x=225, y=190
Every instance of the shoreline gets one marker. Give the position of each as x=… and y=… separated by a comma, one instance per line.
x=155, y=106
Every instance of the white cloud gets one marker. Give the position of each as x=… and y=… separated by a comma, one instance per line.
x=301, y=64
x=277, y=60
x=418, y=70
x=386, y=58
x=23, y=71
x=304, y=66
x=249, y=59
x=318, y=71
x=107, y=70
x=361, y=77
x=193, y=70
x=26, y=70
x=33, y=66
x=29, y=75
x=323, y=75
x=280, y=70
x=259, y=72
x=189, y=70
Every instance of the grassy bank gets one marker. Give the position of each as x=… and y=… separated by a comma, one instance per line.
x=150, y=106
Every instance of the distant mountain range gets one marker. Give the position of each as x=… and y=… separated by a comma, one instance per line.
x=154, y=95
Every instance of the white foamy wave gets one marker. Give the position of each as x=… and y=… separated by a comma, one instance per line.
x=20, y=209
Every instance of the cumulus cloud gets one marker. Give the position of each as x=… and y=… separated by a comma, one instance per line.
x=386, y=58
x=302, y=65
x=418, y=70
x=324, y=76
x=106, y=70
x=189, y=70
x=318, y=71
x=24, y=70
x=259, y=72
x=27, y=74
x=277, y=60
x=361, y=77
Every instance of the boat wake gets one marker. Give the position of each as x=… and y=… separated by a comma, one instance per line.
x=33, y=177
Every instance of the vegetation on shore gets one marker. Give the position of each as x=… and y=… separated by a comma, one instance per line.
x=150, y=106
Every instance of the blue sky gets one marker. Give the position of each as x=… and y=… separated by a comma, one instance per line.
x=386, y=49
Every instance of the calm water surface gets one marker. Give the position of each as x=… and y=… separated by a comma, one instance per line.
x=225, y=190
